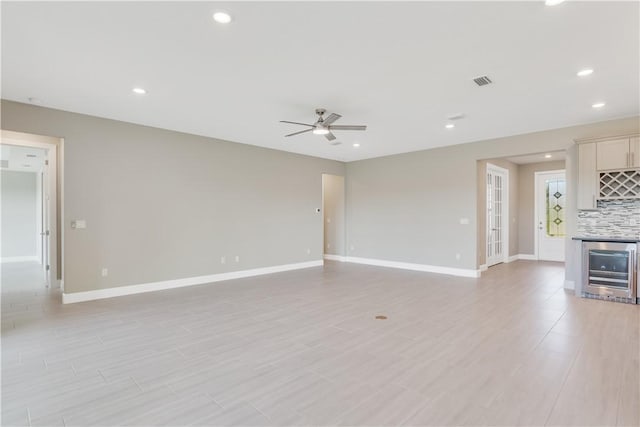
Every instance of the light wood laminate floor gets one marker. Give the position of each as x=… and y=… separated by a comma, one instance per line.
x=304, y=348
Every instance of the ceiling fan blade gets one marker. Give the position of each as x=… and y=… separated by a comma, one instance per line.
x=298, y=133
x=330, y=136
x=295, y=123
x=332, y=118
x=348, y=127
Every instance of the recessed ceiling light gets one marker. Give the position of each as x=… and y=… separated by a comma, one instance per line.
x=598, y=105
x=356, y=145
x=450, y=126
x=222, y=17
x=547, y=156
x=585, y=72
x=553, y=2
x=139, y=91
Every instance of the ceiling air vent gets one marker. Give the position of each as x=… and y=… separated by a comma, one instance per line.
x=482, y=80
x=458, y=116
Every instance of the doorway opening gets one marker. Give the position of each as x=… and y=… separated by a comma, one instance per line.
x=507, y=218
x=550, y=208
x=31, y=205
x=333, y=217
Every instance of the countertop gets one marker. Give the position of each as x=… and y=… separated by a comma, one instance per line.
x=618, y=239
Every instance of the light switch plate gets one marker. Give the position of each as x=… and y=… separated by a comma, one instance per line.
x=78, y=224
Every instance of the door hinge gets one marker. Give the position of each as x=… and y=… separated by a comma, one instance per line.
x=48, y=267
x=46, y=162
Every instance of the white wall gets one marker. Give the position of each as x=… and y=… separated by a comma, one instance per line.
x=19, y=200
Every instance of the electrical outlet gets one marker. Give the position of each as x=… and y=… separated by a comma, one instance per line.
x=458, y=257
x=328, y=245
x=308, y=251
x=223, y=260
x=237, y=258
x=105, y=272
x=352, y=248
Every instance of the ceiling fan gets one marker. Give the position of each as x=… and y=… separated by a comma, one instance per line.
x=324, y=126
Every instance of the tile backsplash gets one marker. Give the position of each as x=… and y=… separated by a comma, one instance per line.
x=615, y=218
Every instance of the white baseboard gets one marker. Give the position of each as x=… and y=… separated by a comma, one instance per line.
x=68, y=298
x=569, y=284
x=331, y=257
x=417, y=267
x=512, y=258
x=20, y=259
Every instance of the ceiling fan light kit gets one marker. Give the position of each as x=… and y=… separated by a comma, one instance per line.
x=324, y=126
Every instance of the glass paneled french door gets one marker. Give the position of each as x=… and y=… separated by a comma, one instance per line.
x=497, y=220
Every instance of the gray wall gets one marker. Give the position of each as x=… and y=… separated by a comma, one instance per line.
x=482, y=206
x=407, y=207
x=526, y=200
x=334, y=226
x=19, y=213
x=163, y=205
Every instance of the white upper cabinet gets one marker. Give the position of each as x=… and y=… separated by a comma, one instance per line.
x=618, y=154
x=634, y=150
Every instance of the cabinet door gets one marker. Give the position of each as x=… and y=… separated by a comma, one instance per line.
x=613, y=154
x=634, y=145
x=587, y=176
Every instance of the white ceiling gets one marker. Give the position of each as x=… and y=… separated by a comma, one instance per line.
x=25, y=159
x=400, y=68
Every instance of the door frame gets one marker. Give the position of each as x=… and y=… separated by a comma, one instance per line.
x=55, y=149
x=505, y=214
x=536, y=220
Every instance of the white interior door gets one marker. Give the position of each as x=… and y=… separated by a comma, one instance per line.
x=551, y=188
x=497, y=223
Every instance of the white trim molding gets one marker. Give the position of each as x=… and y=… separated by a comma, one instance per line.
x=483, y=267
x=73, y=297
x=331, y=257
x=527, y=257
x=463, y=272
x=28, y=258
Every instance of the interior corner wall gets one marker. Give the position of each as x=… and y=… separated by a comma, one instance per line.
x=333, y=214
x=18, y=194
x=526, y=200
x=407, y=207
x=482, y=206
x=162, y=205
